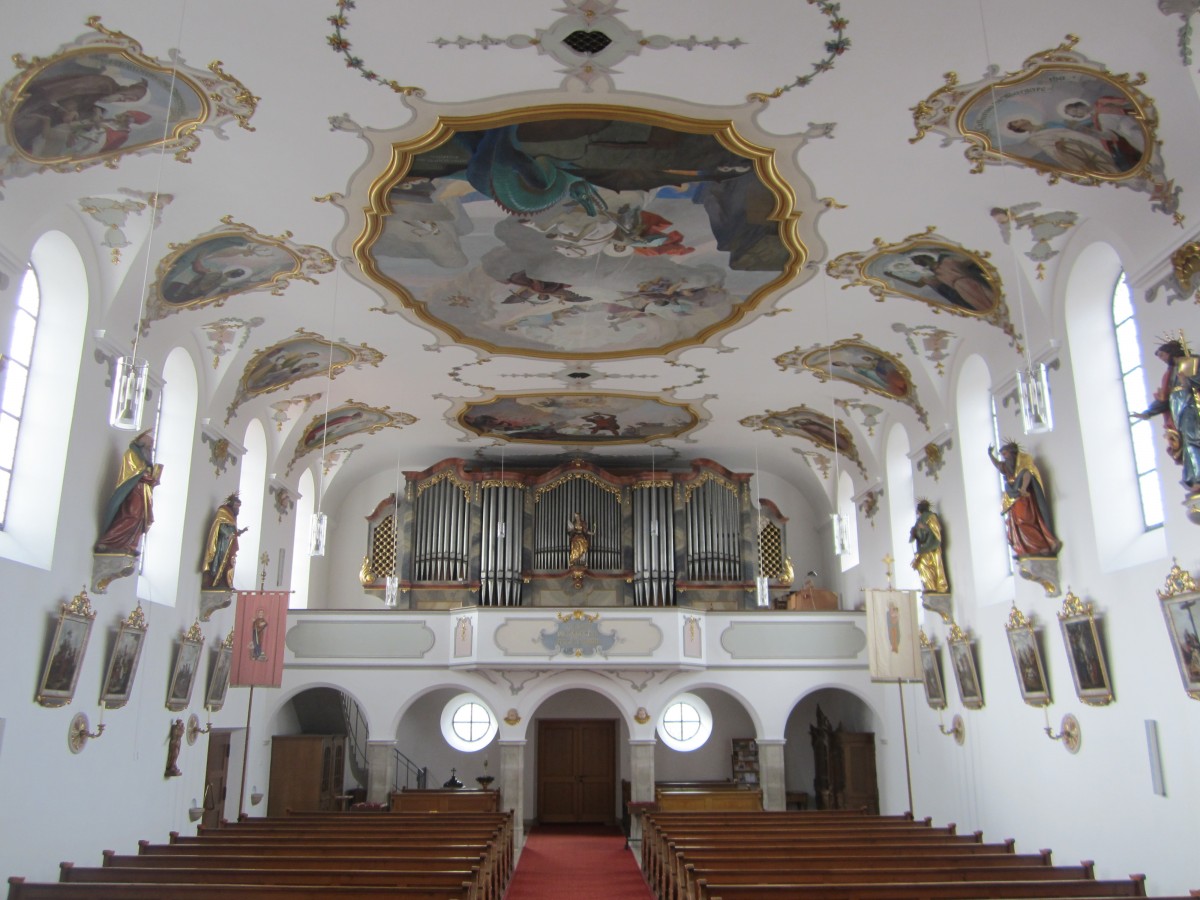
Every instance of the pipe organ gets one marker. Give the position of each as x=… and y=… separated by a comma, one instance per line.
x=573, y=535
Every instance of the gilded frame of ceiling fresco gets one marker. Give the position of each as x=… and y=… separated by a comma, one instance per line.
x=304, y=355
x=817, y=427
x=591, y=419
x=228, y=261
x=1062, y=114
x=938, y=272
x=100, y=98
x=345, y=420
x=860, y=363
x=587, y=220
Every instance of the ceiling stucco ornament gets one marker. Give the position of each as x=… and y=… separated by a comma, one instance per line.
x=597, y=231
x=578, y=419
x=817, y=427
x=589, y=40
x=112, y=213
x=230, y=260
x=930, y=268
x=343, y=421
x=860, y=363
x=224, y=333
x=304, y=355
x=935, y=343
x=100, y=98
x=1062, y=114
x=1043, y=227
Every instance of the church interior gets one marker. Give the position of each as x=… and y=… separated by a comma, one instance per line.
x=555, y=401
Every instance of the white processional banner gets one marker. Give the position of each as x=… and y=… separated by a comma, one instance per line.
x=893, y=639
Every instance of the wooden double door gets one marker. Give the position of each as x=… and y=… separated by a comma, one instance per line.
x=577, y=765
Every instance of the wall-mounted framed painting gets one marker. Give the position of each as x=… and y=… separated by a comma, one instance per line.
x=187, y=662
x=965, y=673
x=218, y=681
x=1085, y=651
x=61, y=674
x=1027, y=658
x=935, y=694
x=1179, y=600
x=122, y=665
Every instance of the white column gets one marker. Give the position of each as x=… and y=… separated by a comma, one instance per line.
x=381, y=770
x=512, y=786
x=770, y=773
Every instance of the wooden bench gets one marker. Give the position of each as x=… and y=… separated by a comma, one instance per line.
x=749, y=800
x=437, y=800
x=20, y=889
x=415, y=876
x=963, y=890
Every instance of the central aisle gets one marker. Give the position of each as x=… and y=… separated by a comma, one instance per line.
x=585, y=862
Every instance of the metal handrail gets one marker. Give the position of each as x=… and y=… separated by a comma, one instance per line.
x=415, y=777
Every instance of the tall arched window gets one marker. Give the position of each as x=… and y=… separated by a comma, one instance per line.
x=1129, y=357
x=901, y=503
x=251, y=488
x=849, y=518
x=16, y=379
x=301, y=561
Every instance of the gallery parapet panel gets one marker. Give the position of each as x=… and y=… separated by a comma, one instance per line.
x=587, y=638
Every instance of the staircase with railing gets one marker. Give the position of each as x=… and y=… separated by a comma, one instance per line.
x=408, y=775
x=356, y=739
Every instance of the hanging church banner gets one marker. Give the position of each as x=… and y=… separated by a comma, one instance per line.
x=260, y=623
x=1062, y=114
x=893, y=639
x=100, y=98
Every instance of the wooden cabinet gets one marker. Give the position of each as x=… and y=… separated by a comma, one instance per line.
x=845, y=767
x=745, y=762
x=307, y=772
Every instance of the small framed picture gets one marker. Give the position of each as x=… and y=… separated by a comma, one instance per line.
x=1027, y=658
x=183, y=676
x=935, y=694
x=61, y=674
x=218, y=681
x=1180, y=599
x=1085, y=652
x=965, y=673
x=122, y=665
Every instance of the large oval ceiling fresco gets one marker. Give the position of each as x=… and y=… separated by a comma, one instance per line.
x=594, y=232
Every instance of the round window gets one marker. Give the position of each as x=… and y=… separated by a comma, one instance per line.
x=686, y=723
x=468, y=724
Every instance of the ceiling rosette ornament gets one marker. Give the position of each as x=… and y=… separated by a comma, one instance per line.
x=597, y=231
x=101, y=98
x=930, y=268
x=1062, y=114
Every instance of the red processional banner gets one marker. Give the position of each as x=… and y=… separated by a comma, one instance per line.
x=258, y=633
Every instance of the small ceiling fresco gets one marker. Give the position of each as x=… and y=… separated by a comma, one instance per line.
x=573, y=419
x=806, y=422
x=859, y=363
x=230, y=260
x=934, y=270
x=594, y=232
x=100, y=98
x=1061, y=114
x=306, y=355
x=343, y=421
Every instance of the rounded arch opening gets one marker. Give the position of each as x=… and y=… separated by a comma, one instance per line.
x=827, y=729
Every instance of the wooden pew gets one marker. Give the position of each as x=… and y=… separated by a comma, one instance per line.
x=709, y=800
x=20, y=889
x=977, y=890
x=431, y=876
x=444, y=800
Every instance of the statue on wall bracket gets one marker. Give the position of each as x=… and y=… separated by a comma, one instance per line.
x=1028, y=524
x=929, y=562
x=220, y=558
x=127, y=515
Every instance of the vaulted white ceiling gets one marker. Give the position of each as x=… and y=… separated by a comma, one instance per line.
x=834, y=92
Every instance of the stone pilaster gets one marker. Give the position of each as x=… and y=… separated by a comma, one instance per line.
x=771, y=775
x=512, y=786
x=381, y=770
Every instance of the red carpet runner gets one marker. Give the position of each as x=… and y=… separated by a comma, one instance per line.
x=583, y=862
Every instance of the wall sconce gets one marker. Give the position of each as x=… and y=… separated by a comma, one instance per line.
x=194, y=730
x=195, y=812
x=1069, y=733
x=957, y=730
x=78, y=734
